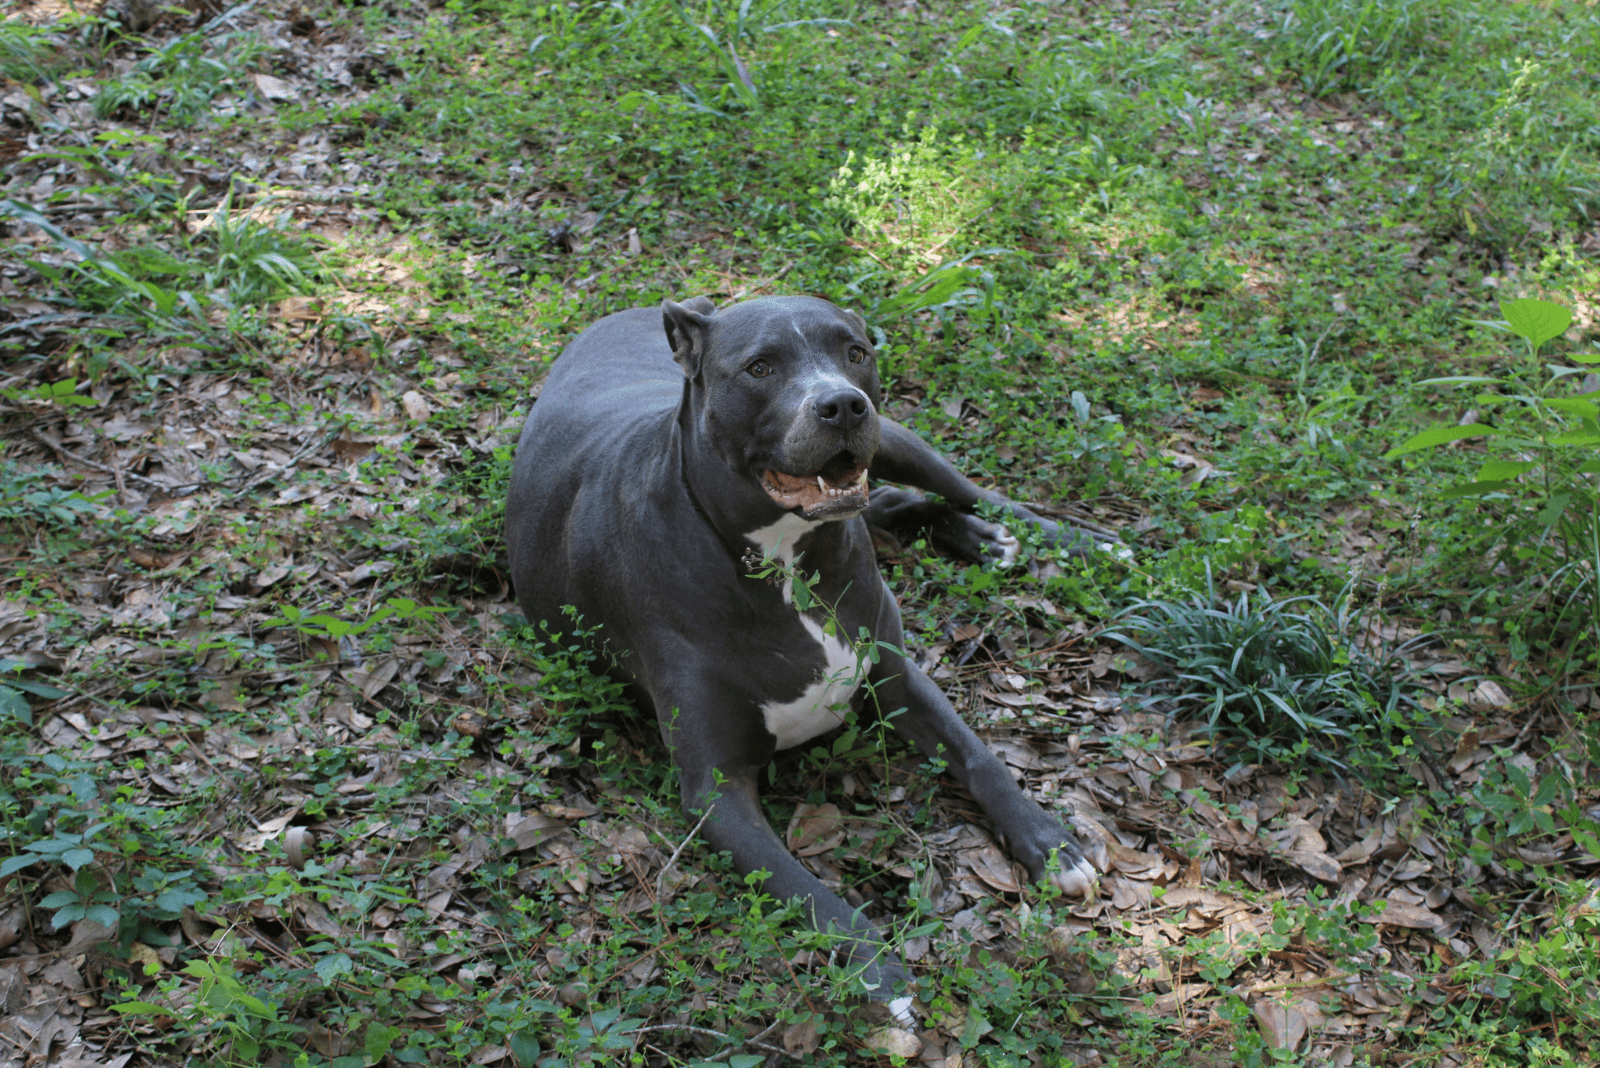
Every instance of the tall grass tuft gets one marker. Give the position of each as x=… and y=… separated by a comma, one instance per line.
x=1341, y=45
x=1271, y=680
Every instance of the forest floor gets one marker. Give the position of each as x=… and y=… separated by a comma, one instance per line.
x=286, y=779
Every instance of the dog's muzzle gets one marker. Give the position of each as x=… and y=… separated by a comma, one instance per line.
x=836, y=490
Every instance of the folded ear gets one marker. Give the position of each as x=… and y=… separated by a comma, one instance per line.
x=686, y=326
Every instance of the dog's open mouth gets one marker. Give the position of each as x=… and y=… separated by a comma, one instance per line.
x=836, y=490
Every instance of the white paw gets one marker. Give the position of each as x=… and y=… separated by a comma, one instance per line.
x=900, y=1009
x=1080, y=880
x=1121, y=552
x=1010, y=547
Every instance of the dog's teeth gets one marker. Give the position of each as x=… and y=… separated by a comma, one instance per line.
x=821, y=485
x=862, y=481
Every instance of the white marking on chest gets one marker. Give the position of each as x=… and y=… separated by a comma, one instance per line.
x=826, y=700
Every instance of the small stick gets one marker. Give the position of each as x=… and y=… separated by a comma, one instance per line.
x=675, y=853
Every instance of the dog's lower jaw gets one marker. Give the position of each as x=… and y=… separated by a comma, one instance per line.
x=814, y=497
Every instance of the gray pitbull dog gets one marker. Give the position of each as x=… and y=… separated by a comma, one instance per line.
x=645, y=493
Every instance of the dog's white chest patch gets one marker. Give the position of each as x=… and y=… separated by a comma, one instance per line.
x=826, y=700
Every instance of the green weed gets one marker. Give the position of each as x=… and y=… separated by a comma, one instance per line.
x=1340, y=45
x=1271, y=680
x=177, y=81
x=1553, y=445
x=233, y=260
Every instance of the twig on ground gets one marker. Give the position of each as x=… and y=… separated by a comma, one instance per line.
x=731, y=1040
x=676, y=852
x=116, y=473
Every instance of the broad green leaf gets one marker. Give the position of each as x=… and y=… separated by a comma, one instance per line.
x=1586, y=358
x=38, y=689
x=525, y=1048
x=1575, y=437
x=334, y=964
x=1552, y=511
x=1500, y=470
x=141, y=1008
x=254, y=1005
x=1460, y=380
x=1536, y=320
x=1592, y=467
x=14, y=864
x=1574, y=406
x=967, y=39
x=1439, y=435
x=1549, y=787
x=14, y=706
x=1518, y=777
x=379, y=1038
x=70, y=914
x=1473, y=489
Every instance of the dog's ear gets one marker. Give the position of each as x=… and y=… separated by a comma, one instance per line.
x=686, y=326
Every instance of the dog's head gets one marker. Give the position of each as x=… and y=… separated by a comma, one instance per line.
x=787, y=389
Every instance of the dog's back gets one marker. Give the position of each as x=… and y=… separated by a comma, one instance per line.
x=576, y=520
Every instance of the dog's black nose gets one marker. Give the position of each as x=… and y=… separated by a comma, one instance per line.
x=842, y=409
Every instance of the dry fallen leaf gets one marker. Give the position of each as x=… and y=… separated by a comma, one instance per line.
x=815, y=829
x=374, y=676
x=1401, y=914
x=526, y=832
x=992, y=866
x=1284, y=1022
x=416, y=407
x=894, y=1041
x=274, y=88
x=801, y=1038
x=1317, y=865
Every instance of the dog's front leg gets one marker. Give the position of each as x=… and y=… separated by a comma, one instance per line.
x=721, y=785
x=927, y=720
x=905, y=458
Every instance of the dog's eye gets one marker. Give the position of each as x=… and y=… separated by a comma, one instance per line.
x=759, y=369
x=857, y=353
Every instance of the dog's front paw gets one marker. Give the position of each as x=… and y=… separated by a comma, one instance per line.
x=977, y=539
x=1076, y=878
x=1001, y=545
